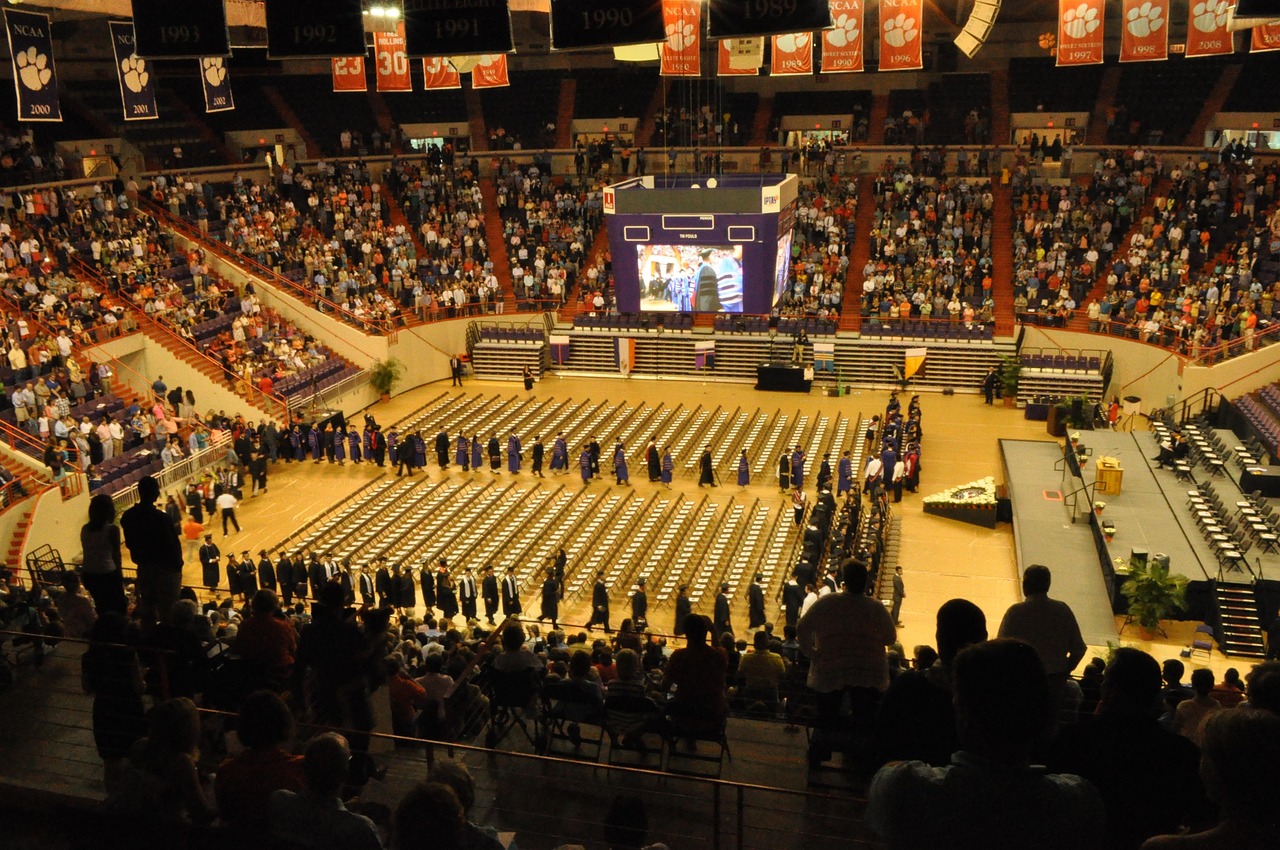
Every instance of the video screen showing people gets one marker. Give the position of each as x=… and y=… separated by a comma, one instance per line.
x=690, y=278
x=782, y=269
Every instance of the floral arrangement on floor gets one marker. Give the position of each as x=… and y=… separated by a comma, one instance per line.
x=974, y=502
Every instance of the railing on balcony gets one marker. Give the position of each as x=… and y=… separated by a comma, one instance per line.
x=72, y=482
x=177, y=474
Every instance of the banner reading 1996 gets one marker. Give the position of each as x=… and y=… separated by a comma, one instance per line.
x=901, y=22
x=137, y=88
x=33, y=74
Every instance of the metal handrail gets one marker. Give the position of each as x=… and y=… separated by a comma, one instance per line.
x=179, y=472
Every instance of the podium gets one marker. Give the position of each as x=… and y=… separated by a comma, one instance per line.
x=1108, y=476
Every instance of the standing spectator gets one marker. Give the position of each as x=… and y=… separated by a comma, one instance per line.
x=1191, y=715
x=1048, y=625
x=698, y=674
x=100, y=541
x=169, y=785
x=154, y=546
x=110, y=671
x=899, y=594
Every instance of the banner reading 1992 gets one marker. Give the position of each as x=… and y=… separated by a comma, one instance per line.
x=33, y=74
x=137, y=88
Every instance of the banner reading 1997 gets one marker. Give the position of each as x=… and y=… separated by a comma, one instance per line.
x=1080, y=32
x=137, y=88
x=33, y=75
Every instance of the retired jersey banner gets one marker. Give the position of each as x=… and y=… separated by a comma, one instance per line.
x=1080, y=32
x=490, y=72
x=900, y=24
x=1144, y=36
x=137, y=89
x=842, y=44
x=723, y=66
x=391, y=62
x=792, y=54
x=1265, y=38
x=1207, y=33
x=216, y=83
x=439, y=73
x=348, y=74
x=33, y=74
x=682, y=51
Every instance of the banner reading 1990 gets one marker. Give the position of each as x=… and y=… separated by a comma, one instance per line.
x=33, y=74
x=137, y=89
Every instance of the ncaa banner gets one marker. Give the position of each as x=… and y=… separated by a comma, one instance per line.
x=900, y=25
x=439, y=73
x=1207, y=33
x=348, y=74
x=682, y=51
x=391, y=62
x=1080, y=32
x=792, y=54
x=137, y=89
x=842, y=44
x=1144, y=36
x=724, y=67
x=1265, y=38
x=217, y=85
x=490, y=72
x=33, y=74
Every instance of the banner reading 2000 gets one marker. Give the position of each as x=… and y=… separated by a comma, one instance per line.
x=901, y=22
x=31, y=47
x=1080, y=32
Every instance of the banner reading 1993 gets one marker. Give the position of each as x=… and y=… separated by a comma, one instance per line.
x=33, y=74
x=137, y=88
x=1080, y=32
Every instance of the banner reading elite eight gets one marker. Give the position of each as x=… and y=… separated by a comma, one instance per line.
x=34, y=77
x=137, y=89
x=681, y=52
x=1265, y=38
x=348, y=74
x=792, y=54
x=490, y=72
x=1144, y=32
x=439, y=73
x=1079, y=32
x=391, y=63
x=842, y=45
x=1207, y=33
x=900, y=24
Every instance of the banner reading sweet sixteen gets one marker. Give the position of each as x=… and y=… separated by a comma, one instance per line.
x=217, y=84
x=842, y=44
x=33, y=74
x=391, y=63
x=490, y=72
x=1207, y=29
x=1265, y=38
x=348, y=74
x=137, y=88
x=1080, y=32
x=901, y=22
x=1144, y=31
x=682, y=51
x=792, y=54
x=439, y=73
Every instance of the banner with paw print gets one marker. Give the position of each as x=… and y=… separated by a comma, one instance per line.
x=842, y=44
x=682, y=51
x=792, y=54
x=1144, y=31
x=439, y=73
x=901, y=22
x=348, y=73
x=490, y=72
x=1207, y=33
x=34, y=78
x=1265, y=38
x=217, y=84
x=1080, y=32
x=137, y=89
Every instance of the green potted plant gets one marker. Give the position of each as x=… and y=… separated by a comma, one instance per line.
x=384, y=374
x=1153, y=595
x=1010, y=372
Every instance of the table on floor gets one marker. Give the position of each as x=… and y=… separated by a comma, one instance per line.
x=783, y=377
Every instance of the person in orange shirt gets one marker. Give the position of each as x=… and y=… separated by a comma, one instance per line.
x=192, y=531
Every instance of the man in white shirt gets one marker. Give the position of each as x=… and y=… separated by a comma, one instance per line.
x=227, y=503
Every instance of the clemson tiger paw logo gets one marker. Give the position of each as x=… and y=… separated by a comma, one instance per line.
x=33, y=69
x=793, y=42
x=680, y=36
x=845, y=32
x=1145, y=20
x=900, y=31
x=1208, y=16
x=215, y=72
x=134, y=73
x=490, y=59
x=1080, y=21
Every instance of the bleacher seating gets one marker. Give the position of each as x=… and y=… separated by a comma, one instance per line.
x=615, y=93
x=521, y=111
x=1143, y=119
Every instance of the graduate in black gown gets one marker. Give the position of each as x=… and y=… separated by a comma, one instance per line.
x=495, y=454
x=654, y=460
x=707, y=471
x=784, y=472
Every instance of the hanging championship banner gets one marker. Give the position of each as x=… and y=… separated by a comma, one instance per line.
x=33, y=73
x=137, y=89
x=164, y=29
x=490, y=72
x=1265, y=38
x=1145, y=34
x=724, y=62
x=439, y=73
x=314, y=28
x=217, y=85
x=348, y=74
x=390, y=62
x=792, y=54
x=900, y=25
x=1079, y=32
x=1207, y=33
x=842, y=45
x=681, y=52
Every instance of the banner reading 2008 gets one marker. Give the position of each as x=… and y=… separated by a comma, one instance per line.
x=137, y=88
x=1207, y=33
x=901, y=23
x=1080, y=32
x=33, y=75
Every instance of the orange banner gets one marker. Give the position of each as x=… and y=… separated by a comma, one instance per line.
x=901, y=22
x=792, y=54
x=1265, y=38
x=1144, y=35
x=681, y=52
x=1207, y=29
x=842, y=45
x=348, y=74
x=722, y=63
x=391, y=62
x=1080, y=32
x=490, y=72
x=439, y=73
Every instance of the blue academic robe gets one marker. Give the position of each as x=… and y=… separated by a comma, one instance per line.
x=340, y=446
x=668, y=467
x=353, y=445
x=477, y=453
x=620, y=464
x=744, y=471
x=559, y=454
x=313, y=443
x=299, y=445
x=393, y=443
x=584, y=463
x=844, y=476
x=366, y=438
x=797, y=470
x=462, y=454
x=513, y=454
x=419, y=452
x=890, y=459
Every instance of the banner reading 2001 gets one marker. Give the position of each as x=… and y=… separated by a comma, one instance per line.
x=33, y=75
x=1080, y=32
x=137, y=88
x=1144, y=33
x=901, y=22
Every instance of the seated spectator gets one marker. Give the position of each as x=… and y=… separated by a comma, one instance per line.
x=75, y=608
x=246, y=781
x=455, y=775
x=1230, y=691
x=515, y=656
x=407, y=698
x=697, y=674
x=162, y=780
x=1190, y=715
x=266, y=639
x=431, y=817
x=1263, y=687
x=760, y=673
x=315, y=817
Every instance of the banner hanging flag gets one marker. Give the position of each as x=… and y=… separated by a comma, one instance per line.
x=842, y=51
x=704, y=355
x=137, y=89
x=34, y=77
x=1207, y=33
x=439, y=73
x=348, y=74
x=1144, y=36
x=217, y=85
x=1265, y=38
x=682, y=51
x=792, y=54
x=900, y=25
x=390, y=62
x=724, y=68
x=625, y=355
x=914, y=361
x=490, y=72
x=1080, y=32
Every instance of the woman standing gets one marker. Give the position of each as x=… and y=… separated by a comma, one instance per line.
x=462, y=456
x=110, y=671
x=477, y=453
x=744, y=469
x=100, y=540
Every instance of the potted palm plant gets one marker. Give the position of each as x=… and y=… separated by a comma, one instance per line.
x=1153, y=594
x=1010, y=371
x=384, y=374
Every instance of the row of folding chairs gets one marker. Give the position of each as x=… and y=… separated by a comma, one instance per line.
x=706, y=580
x=703, y=525
x=1219, y=528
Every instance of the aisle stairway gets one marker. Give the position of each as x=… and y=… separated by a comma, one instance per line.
x=493, y=235
x=1238, y=614
x=875, y=124
x=1000, y=105
x=1002, y=258
x=564, y=114
x=1097, y=132
x=760, y=123
x=475, y=124
x=1213, y=104
x=644, y=132
x=851, y=309
x=395, y=215
x=281, y=105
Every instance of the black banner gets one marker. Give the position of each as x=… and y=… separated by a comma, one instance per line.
x=311, y=28
x=457, y=27
x=137, y=89
x=216, y=84
x=180, y=29
x=577, y=24
x=33, y=74
x=737, y=18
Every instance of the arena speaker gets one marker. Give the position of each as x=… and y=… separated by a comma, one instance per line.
x=977, y=29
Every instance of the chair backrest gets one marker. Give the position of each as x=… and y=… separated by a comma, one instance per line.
x=513, y=689
x=1204, y=628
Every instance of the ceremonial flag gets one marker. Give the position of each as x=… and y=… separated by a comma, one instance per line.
x=842, y=45
x=137, y=88
x=704, y=355
x=348, y=74
x=560, y=344
x=390, y=62
x=1207, y=33
x=439, y=73
x=914, y=361
x=490, y=72
x=824, y=356
x=682, y=51
x=217, y=85
x=34, y=77
x=626, y=354
x=1144, y=36
x=900, y=25
x=1080, y=32
x=792, y=54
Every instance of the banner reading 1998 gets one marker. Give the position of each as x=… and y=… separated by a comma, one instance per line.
x=137, y=88
x=33, y=75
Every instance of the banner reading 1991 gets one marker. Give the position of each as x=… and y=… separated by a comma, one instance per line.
x=137, y=88
x=33, y=74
